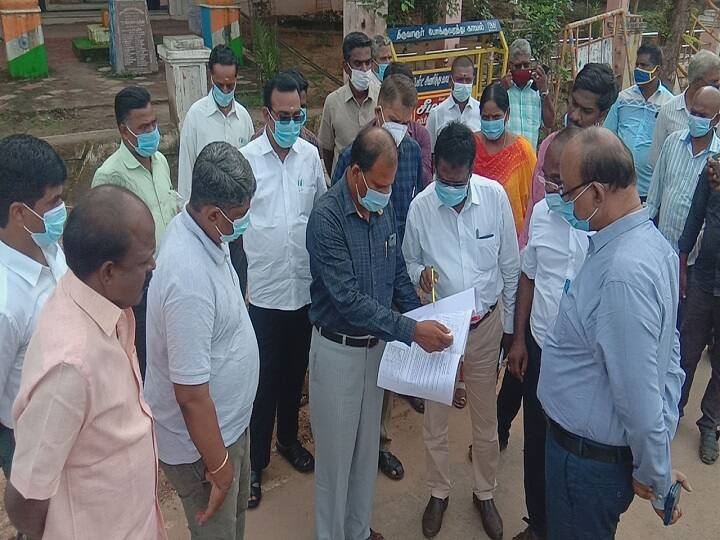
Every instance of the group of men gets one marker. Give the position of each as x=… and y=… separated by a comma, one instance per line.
x=132, y=348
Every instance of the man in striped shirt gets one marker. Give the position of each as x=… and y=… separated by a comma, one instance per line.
x=703, y=70
x=682, y=159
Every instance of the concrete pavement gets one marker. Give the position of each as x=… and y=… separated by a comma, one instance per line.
x=286, y=511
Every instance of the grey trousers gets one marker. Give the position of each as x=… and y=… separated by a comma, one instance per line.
x=345, y=406
x=387, y=411
x=189, y=481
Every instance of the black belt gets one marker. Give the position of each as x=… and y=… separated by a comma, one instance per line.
x=474, y=325
x=350, y=341
x=585, y=448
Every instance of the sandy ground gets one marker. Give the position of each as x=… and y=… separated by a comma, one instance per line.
x=286, y=511
x=287, y=508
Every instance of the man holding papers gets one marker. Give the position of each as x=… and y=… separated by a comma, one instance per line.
x=358, y=272
x=461, y=229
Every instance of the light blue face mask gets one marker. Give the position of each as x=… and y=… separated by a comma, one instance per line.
x=461, y=91
x=221, y=98
x=147, y=143
x=240, y=225
x=54, y=221
x=493, y=129
x=381, y=71
x=286, y=132
x=566, y=209
x=699, y=127
x=450, y=195
x=373, y=201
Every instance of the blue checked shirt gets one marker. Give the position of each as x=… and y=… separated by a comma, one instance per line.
x=358, y=270
x=673, y=183
x=408, y=178
x=611, y=364
x=632, y=118
x=525, y=112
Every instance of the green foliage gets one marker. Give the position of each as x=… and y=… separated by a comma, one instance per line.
x=480, y=9
x=659, y=19
x=407, y=12
x=265, y=49
x=544, y=20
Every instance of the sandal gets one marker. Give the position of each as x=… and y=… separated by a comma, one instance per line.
x=255, y=489
x=390, y=466
x=460, y=398
x=302, y=460
x=708, y=446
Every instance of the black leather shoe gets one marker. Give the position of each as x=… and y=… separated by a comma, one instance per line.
x=433, y=516
x=491, y=520
x=390, y=466
x=709, y=448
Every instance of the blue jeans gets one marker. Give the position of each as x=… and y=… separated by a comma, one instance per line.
x=585, y=498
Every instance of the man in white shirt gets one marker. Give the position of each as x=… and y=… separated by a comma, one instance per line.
x=550, y=261
x=202, y=368
x=216, y=117
x=290, y=179
x=461, y=229
x=703, y=70
x=460, y=105
x=32, y=218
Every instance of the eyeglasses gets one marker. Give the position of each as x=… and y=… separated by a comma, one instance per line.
x=298, y=117
x=554, y=187
x=453, y=183
x=566, y=194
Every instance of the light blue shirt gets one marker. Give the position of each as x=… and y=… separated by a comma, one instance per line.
x=525, y=112
x=674, y=180
x=632, y=118
x=611, y=365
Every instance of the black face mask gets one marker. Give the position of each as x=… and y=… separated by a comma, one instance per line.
x=148, y=277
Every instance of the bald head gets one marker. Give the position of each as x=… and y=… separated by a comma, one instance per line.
x=373, y=144
x=601, y=157
x=109, y=243
x=706, y=102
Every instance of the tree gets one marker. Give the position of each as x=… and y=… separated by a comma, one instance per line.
x=679, y=19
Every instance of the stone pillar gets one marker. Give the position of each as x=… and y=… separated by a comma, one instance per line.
x=452, y=19
x=185, y=60
x=358, y=19
x=220, y=21
x=710, y=20
x=21, y=30
x=132, y=49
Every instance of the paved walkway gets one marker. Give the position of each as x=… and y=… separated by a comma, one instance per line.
x=287, y=507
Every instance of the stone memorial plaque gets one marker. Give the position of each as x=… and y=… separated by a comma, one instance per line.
x=132, y=49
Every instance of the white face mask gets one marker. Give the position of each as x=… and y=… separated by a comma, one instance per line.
x=360, y=79
x=398, y=131
x=462, y=91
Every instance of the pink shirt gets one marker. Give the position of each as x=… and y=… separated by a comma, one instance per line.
x=537, y=189
x=83, y=431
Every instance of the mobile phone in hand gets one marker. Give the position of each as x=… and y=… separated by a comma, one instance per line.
x=671, y=502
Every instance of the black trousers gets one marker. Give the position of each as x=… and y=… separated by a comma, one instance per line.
x=534, y=427
x=239, y=262
x=508, y=403
x=700, y=318
x=284, y=341
x=140, y=312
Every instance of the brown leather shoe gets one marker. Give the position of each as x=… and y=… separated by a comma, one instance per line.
x=433, y=516
x=491, y=520
x=374, y=535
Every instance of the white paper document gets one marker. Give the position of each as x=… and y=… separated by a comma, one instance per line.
x=414, y=372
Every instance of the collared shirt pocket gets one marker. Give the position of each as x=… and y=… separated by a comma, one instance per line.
x=487, y=245
x=306, y=197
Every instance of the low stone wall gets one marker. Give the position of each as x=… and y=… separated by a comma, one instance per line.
x=84, y=153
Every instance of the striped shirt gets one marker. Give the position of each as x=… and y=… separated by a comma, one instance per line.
x=674, y=181
x=525, y=112
x=632, y=118
x=672, y=117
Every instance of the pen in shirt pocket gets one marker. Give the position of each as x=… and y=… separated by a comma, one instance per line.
x=484, y=237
